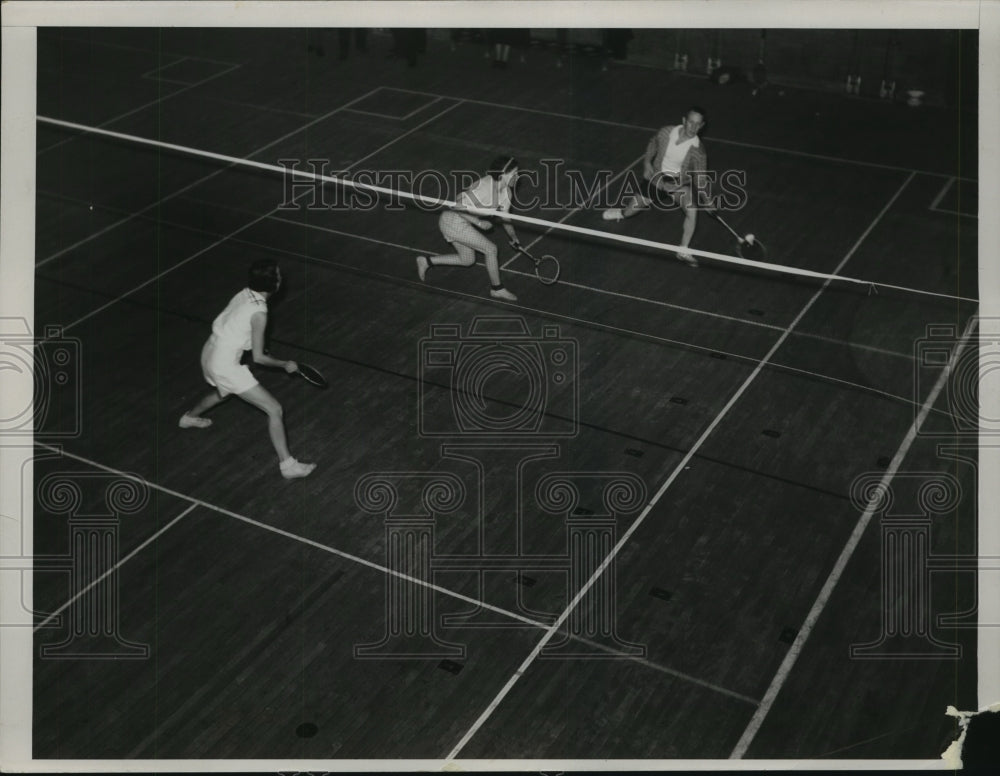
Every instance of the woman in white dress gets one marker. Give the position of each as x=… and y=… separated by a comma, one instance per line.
x=491, y=192
x=238, y=328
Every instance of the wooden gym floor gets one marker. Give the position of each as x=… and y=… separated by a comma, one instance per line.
x=747, y=404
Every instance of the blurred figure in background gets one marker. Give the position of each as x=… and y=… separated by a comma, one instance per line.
x=500, y=41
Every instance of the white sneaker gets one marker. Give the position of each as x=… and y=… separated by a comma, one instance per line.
x=290, y=469
x=422, y=265
x=190, y=421
x=502, y=293
x=615, y=214
x=687, y=258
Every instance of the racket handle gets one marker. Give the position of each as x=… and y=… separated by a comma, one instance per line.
x=733, y=232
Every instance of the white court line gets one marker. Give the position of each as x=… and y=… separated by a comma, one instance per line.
x=409, y=115
x=150, y=104
x=195, y=502
x=845, y=555
x=172, y=81
x=246, y=226
x=373, y=113
x=603, y=326
x=294, y=537
x=576, y=210
x=149, y=73
x=621, y=295
x=940, y=195
x=114, y=568
x=953, y=212
x=582, y=321
x=434, y=202
x=533, y=655
x=425, y=106
x=714, y=139
x=596, y=290
x=155, y=204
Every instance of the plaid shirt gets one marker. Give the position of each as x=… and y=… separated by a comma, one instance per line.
x=695, y=160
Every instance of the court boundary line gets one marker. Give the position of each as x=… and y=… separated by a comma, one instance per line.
x=342, y=554
x=606, y=122
x=149, y=540
x=826, y=591
x=605, y=327
x=372, y=113
x=246, y=226
x=341, y=180
x=954, y=213
x=933, y=207
x=608, y=328
x=940, y=195
x=505, y=268
x=608, y=292
x=714, y=139
x=149, y=73
x=405, y=117
x=114, y=119
x=729, y=404
x=591, y=324
x=155, y=204
x=569, y=284
x=805, y=374
x=371, y=565
x=550, y=632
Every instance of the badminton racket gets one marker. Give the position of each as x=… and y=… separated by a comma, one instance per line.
x=546, y=268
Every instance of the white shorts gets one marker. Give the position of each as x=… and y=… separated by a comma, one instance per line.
x=222, y=369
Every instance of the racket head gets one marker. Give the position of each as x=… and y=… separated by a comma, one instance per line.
x=753, y=251
x=547, y=269
x=312, y=375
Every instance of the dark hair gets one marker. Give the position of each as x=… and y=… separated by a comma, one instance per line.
x=699, y=110
x=501, y=165
x=263, y=276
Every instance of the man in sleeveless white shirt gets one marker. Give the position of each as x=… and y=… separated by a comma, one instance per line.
x=674, y=157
